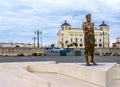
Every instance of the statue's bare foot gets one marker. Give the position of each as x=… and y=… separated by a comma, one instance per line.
x=93, y=63
x=88, y=64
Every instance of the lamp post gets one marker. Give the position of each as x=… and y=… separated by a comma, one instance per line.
x=103, y=39
x=38, y=33
x=76, y=42
x=41, y=39
x=34, y=40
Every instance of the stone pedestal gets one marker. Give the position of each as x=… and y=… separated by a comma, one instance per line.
x=101, y=74
x=22, y=74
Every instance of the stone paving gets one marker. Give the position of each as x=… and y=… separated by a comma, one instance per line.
x=11, y=66
x=57, y=58
x=15, y=74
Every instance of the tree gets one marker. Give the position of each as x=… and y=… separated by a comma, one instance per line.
x=76, y=44
x=67, y=43
x=52, y=45
x=62, y=45
x=17, y=46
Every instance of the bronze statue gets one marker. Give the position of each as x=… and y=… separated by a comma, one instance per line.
x=88, y=30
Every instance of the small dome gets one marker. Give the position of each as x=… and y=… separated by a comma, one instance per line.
x=65, y=23
x=103, y=24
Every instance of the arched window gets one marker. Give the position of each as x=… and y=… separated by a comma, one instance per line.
x=81, y=45
x=100, y=40
x=100, y=45
x=80, y=39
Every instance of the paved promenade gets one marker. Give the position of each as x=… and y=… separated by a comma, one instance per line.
x=58, y=59
x=17, y=71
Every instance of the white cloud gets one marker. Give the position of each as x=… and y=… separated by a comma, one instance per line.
x=17, y=16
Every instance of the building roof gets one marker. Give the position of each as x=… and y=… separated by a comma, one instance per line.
x=76, y=28
x=118, y=38
x=103, y=24
x=66, y=23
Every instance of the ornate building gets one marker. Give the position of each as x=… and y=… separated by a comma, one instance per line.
x=74, y=37
x=117, y=43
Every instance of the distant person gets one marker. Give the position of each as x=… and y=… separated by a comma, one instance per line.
x=88, y=30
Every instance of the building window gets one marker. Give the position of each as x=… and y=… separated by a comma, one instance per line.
x=100, y=34
x=100, y=45
x=80, y=34
x=76, y=39
x=81, y=45
x=71, y=34
x=80, y=40
x=69, y=28
x=62, y=39
x=76, y=34
x=95, y=45
x=65, y=27
x=95, y=40
x=62, y=34
x=100, y=40
x=71, y=39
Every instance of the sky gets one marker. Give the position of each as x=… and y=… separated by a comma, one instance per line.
x=19, y=19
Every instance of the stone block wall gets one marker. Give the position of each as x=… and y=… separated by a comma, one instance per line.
x=14, y=51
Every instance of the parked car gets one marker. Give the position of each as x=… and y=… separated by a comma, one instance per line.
x=97, y=53
x=56, y=49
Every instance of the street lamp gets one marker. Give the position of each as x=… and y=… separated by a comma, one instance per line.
x=103, y=39
x=38, y=33
x=34, y=38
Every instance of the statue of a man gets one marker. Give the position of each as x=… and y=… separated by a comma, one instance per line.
x=88, y=30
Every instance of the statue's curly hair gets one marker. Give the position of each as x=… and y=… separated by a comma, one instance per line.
x=88, y=15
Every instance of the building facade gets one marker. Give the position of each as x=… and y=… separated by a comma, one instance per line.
x=117, y=43
x=16, y=45
x=69, y=37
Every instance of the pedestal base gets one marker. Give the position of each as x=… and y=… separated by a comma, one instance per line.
x=101, y=74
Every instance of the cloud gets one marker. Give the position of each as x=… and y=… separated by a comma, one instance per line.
x=20, y=18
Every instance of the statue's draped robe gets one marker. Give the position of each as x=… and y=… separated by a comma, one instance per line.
x=88, y=29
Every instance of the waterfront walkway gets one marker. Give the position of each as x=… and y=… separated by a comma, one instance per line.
x=59, y=59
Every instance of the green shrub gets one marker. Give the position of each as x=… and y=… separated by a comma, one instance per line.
x=103, y=54
x=107, y=54
x=40, y=54
x=116, y=54
x=34, y=54
x=21, y=54
x=37, y=54
x=110, y=53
